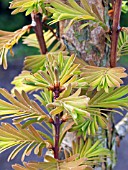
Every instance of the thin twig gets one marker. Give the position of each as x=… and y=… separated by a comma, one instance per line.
x=115, y=32
x=51, y=29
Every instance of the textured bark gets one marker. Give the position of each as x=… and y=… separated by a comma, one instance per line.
x=91, y=47
x=88, y=45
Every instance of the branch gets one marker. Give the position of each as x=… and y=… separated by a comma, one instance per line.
x=57, y=121
x=39, y=33
x=51, y=29
x=122, y=127
x=57, y=124
x=115, y=32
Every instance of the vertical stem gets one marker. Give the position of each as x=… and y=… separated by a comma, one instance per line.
x=57, y=136
x=115, y=32
x=57, y=124
x=43, y=49
x=40, y=37
x=39, y=33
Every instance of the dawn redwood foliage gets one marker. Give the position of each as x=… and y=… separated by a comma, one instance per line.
x=79, y=93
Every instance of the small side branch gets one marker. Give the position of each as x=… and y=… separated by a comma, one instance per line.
x=115, y=32
x=51, y=29
x=39, y=33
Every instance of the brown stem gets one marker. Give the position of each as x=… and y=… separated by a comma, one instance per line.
x=57, y=136
x=57, y=124
x=39, y=33
x=115, y=32
x=51, y=29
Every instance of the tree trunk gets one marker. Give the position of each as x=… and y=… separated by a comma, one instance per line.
x=91, y=46
x=88, y=45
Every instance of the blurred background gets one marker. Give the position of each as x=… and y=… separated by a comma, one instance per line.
x=13, y=22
